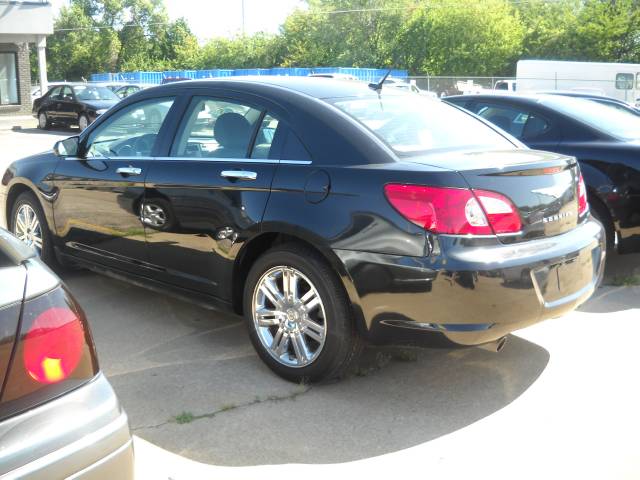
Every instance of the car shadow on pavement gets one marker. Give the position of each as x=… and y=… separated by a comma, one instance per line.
x=51, y=131
x=192, y=384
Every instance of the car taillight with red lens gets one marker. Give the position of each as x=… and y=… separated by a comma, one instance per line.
x=54, y=352
x=455, y=211
x=583, y=205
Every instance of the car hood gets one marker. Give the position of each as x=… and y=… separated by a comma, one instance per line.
x=99, y=104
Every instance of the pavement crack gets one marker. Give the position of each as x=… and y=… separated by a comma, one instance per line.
x=188, y=417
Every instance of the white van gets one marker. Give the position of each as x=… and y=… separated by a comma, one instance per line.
x=617, y=80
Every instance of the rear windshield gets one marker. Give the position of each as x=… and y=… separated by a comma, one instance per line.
x=94, y=93
x=413, y=125
x=615, y=122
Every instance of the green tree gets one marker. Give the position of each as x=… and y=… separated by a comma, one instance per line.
x=475, y=37
x=118, y=35
x=256, y=51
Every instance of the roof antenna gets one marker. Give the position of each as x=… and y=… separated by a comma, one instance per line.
x=378, y=86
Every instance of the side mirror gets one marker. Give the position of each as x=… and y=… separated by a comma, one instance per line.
x=67, y=147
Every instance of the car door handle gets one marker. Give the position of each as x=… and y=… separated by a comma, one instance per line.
x=129, y=171
x=238, y=175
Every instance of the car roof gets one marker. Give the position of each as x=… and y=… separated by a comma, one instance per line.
x=317, y=87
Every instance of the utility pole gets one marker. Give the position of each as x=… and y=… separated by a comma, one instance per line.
x=242, y=17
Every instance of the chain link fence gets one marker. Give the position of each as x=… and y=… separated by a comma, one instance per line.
x=443, y=86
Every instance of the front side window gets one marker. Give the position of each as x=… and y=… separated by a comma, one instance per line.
x=637, y=81
x=221, y=129
x=624, y=81
x=131, y=132
x=55, y=93
x=520, y=123
x=8, y=79
x=412, y=125
x=90, y=92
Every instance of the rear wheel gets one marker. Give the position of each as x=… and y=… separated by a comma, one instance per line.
x=28, y=223
x=298, y=316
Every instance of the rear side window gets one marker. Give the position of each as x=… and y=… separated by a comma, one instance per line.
x=265, y=137
x=218, y=128
x=521, y=123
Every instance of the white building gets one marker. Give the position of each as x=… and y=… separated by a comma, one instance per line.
x=22, y=23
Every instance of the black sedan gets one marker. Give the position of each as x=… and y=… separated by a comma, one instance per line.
x=604, y=138
x=73, y=104
x=329, y=213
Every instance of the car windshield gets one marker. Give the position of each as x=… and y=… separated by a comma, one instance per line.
x=411, y=125
x=88, y=92
x=608, y=119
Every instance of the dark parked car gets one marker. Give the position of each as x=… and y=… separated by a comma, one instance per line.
x=59, y=417
x=614, y=102
x=73, y=104
x=124, y=91
x=329, y=213
x=604, y=139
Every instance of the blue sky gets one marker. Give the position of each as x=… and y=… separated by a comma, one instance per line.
x=216, y=18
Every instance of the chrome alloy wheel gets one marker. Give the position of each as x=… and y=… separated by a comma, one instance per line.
x=42, y=120
x=153, y=215
x=289, y=316
x=27, y=227
x=83, y=122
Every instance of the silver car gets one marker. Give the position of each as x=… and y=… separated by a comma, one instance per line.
x=59, y=416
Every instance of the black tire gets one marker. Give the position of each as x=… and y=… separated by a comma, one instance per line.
x=28, y=198
x=342, y=344
x=599, y=211
x=46, y=124
x=82, y=117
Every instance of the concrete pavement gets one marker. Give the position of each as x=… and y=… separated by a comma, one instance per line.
x=561, y=391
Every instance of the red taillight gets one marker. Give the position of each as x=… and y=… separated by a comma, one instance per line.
x=53, y=346
x=455, y=211
x=583, y=206
x=54, y=352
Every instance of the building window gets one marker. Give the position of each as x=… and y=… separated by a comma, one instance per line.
x=8, y=79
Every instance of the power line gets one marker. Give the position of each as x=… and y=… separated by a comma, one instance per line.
x=320, y=12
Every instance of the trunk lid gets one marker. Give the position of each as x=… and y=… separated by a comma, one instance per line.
x=543, y=186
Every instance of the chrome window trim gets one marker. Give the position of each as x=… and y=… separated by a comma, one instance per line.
x=199, y=159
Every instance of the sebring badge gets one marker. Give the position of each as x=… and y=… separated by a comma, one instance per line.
x=555, y=218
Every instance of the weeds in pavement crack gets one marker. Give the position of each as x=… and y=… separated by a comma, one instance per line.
x=188, y=417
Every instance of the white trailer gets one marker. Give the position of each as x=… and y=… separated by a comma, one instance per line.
x=617, y=80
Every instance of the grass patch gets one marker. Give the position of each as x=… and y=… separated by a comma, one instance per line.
x=184, y=417
x=188, y=417
x=627, y=281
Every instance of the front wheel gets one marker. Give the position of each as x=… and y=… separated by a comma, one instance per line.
x=43, y=121
x=83, y=122
x=28, y=223
x=599, y=211
x=298, y=316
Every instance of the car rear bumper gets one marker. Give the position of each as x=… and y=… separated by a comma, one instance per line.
x=81, y=435
x=474, y=291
